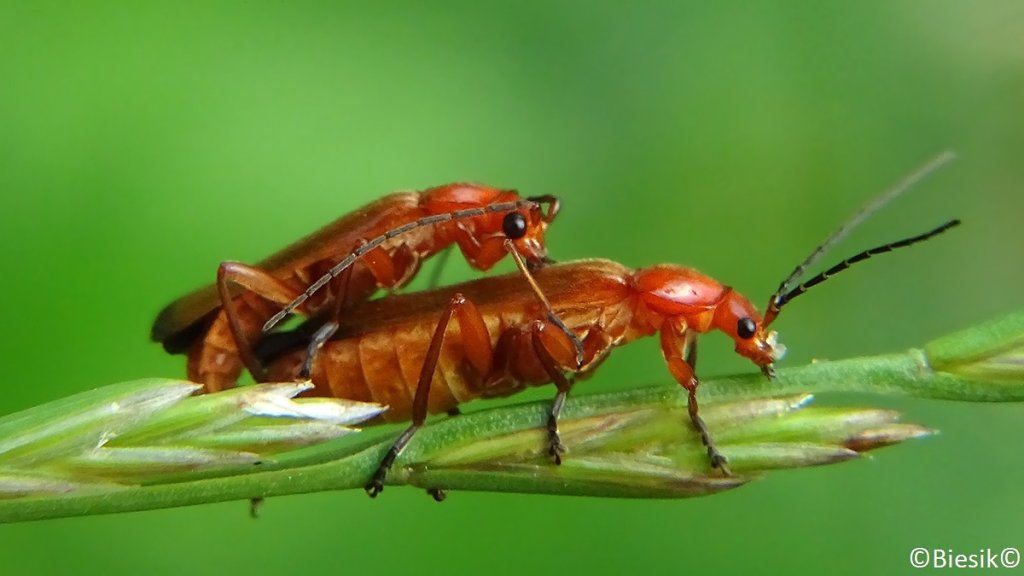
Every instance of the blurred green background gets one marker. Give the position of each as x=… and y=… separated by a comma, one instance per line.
x=142, y=144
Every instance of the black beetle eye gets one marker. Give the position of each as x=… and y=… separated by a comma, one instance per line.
x=514, y=225
x=745, y=328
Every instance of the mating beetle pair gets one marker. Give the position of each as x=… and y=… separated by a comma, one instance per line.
x=428, y=352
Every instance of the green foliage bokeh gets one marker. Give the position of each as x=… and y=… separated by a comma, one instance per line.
x=141, y=144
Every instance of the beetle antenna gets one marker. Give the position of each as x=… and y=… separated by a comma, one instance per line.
x=786, y=286
x=782, y=299
x=337, y=269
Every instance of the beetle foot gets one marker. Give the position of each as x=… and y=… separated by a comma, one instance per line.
x=555, y=446
x=719, y=461
x=376, y=485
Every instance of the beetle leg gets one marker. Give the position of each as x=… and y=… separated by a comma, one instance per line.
x=679, y=346
x=477, y=345
x=254, y=507
x=544, y=342
x=553, y=206
x=441, y=261
x=388, y=271
x=259, y=282
x=552, y=317
x=377, y=261
x=717, y=459
x=596, y=349
x=327, y=330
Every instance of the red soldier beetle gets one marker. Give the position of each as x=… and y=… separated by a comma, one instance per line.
x=494, y=338
x=390, y=238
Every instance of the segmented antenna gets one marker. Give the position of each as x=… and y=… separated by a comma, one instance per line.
x=785, y=287
x=782, y=299
x=337, y=269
